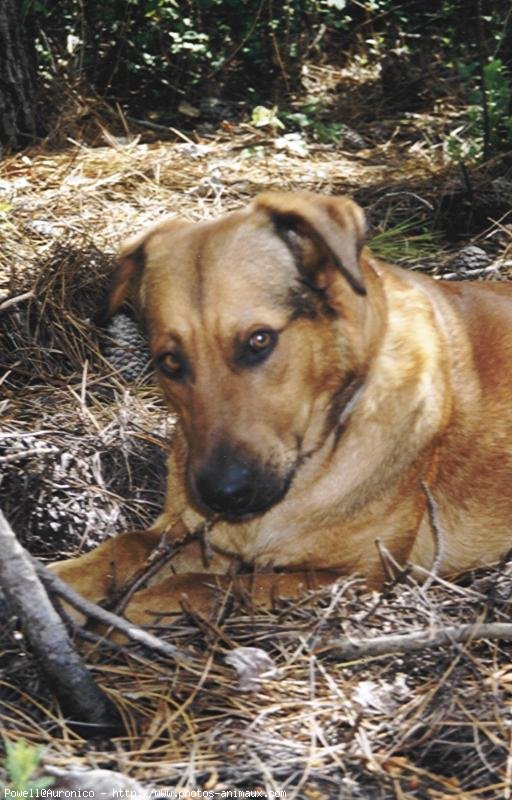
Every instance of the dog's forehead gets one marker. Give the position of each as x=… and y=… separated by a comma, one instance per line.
x=223, y=264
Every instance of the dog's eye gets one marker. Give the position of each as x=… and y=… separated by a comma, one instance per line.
x=257, y=347
x=261, y=340
x=172, y=365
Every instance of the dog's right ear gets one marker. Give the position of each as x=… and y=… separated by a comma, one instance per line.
x=321, y=231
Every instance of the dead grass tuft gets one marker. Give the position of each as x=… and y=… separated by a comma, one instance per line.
x=50, y=334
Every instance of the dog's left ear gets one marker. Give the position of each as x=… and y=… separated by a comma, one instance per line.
x=319, y=230
x=131, y=262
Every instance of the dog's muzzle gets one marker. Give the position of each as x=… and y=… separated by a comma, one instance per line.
x=236, y=487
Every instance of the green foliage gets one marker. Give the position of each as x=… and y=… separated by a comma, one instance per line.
x=162, y=51
x=155, y=55
x=488, y=114
x=308, y=119
x=404, y=242
x=21, y=761
x=31, y=5
x=329, y=132
x=263, y=117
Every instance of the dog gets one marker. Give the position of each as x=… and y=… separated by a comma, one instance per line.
x=322, y=397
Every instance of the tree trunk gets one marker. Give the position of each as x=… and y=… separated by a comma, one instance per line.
x=18, y=115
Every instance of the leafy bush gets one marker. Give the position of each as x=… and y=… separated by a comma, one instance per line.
x=152, y=55
x=161, y=51
x=488, y=126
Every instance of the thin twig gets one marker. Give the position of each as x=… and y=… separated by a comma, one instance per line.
x=161, y=555
x=394, y=571
x=350, y=650
x=469, y=273
x=481, y=61
x=203, y=532
x=13, y=301
x=223, y=64
x=463, y=591
x=156, y=560
x=467, y=182
x=11, y=458
x=387, y=592
x=437, y=531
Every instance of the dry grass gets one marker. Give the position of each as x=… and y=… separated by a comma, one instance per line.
x=81, y=458
x=95, y=196
x=435, y=725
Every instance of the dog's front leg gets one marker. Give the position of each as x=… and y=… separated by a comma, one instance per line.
x=104, y=570
x=203, y=592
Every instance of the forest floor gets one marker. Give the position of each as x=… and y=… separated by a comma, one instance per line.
x=84, y=439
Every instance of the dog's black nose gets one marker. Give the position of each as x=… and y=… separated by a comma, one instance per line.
x=227, y=489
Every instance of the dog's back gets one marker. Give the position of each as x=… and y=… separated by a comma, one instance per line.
x=472, y=486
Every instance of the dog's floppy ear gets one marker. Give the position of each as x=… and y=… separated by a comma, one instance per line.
x=131, y=261
x=319, y=230
x=128, y=272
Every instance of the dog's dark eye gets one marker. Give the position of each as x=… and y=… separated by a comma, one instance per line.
x=172, y=365
x=260, y=341
x=257, y=347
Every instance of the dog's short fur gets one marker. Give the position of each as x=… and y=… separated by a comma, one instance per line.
x=316, y=389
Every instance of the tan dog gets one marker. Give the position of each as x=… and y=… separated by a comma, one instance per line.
x=316, y=389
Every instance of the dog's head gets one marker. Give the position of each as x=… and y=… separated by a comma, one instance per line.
x=255, y=323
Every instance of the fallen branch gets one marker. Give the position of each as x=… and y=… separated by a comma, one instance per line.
x=48, y=638
x=350, y=649
x=55, y=585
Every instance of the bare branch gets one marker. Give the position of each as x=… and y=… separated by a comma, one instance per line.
x=350, y=649
x=62, y=666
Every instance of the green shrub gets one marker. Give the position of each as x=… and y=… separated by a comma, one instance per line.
x=488, y=125
x=21, y=761
x=163, y=51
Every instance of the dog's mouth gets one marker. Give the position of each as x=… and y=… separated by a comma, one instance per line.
x=256, y=509
x=245, y=516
